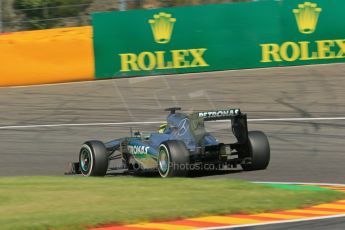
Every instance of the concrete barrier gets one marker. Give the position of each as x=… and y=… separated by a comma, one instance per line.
x=172, y=41
x=241, y=35
x=46, y=56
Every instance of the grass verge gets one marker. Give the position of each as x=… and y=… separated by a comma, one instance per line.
x=76, y=202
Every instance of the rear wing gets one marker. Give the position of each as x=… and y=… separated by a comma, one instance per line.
x=219, y=114
x=238, y=121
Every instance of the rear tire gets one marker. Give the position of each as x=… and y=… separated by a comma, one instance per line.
x=93, y=159
x=259, y=150
x=173, y=159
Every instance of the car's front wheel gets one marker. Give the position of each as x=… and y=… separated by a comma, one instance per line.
x=93, y=159
x=173, y=159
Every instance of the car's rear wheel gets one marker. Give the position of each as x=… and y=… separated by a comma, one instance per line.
x=93, y=159
x=259, y=151
x=173, y=159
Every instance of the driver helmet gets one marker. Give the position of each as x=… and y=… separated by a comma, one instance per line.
x=162, y=128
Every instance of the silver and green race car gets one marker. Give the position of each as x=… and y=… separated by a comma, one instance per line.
x=180, y=146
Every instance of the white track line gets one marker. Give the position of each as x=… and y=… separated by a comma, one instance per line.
x=300, y=119
x=160, y=122
x=172, y=75
x=283, y=221
x=77, y=125
x=275, y=222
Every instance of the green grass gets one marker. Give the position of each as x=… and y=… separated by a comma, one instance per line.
x=75, y=202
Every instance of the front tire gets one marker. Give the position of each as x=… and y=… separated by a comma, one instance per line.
x=259, y=150
x=93, y=159
x=173, y=159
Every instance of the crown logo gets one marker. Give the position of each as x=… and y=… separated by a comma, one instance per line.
x=307, y=16
x=162, y=26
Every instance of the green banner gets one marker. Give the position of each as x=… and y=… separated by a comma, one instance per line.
x=218, y=37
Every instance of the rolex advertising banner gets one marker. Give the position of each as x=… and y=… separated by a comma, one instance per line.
x=218, y=37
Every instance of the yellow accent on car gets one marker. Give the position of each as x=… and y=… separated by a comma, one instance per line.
x=162, y=128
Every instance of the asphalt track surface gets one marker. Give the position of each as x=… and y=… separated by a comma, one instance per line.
x=328, y=224
x=302, y=151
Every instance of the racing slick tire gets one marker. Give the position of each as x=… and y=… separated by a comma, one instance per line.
x=259, y=150
x=173, y=159
x=93, y=159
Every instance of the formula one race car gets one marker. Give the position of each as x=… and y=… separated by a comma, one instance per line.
x=180, y=146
